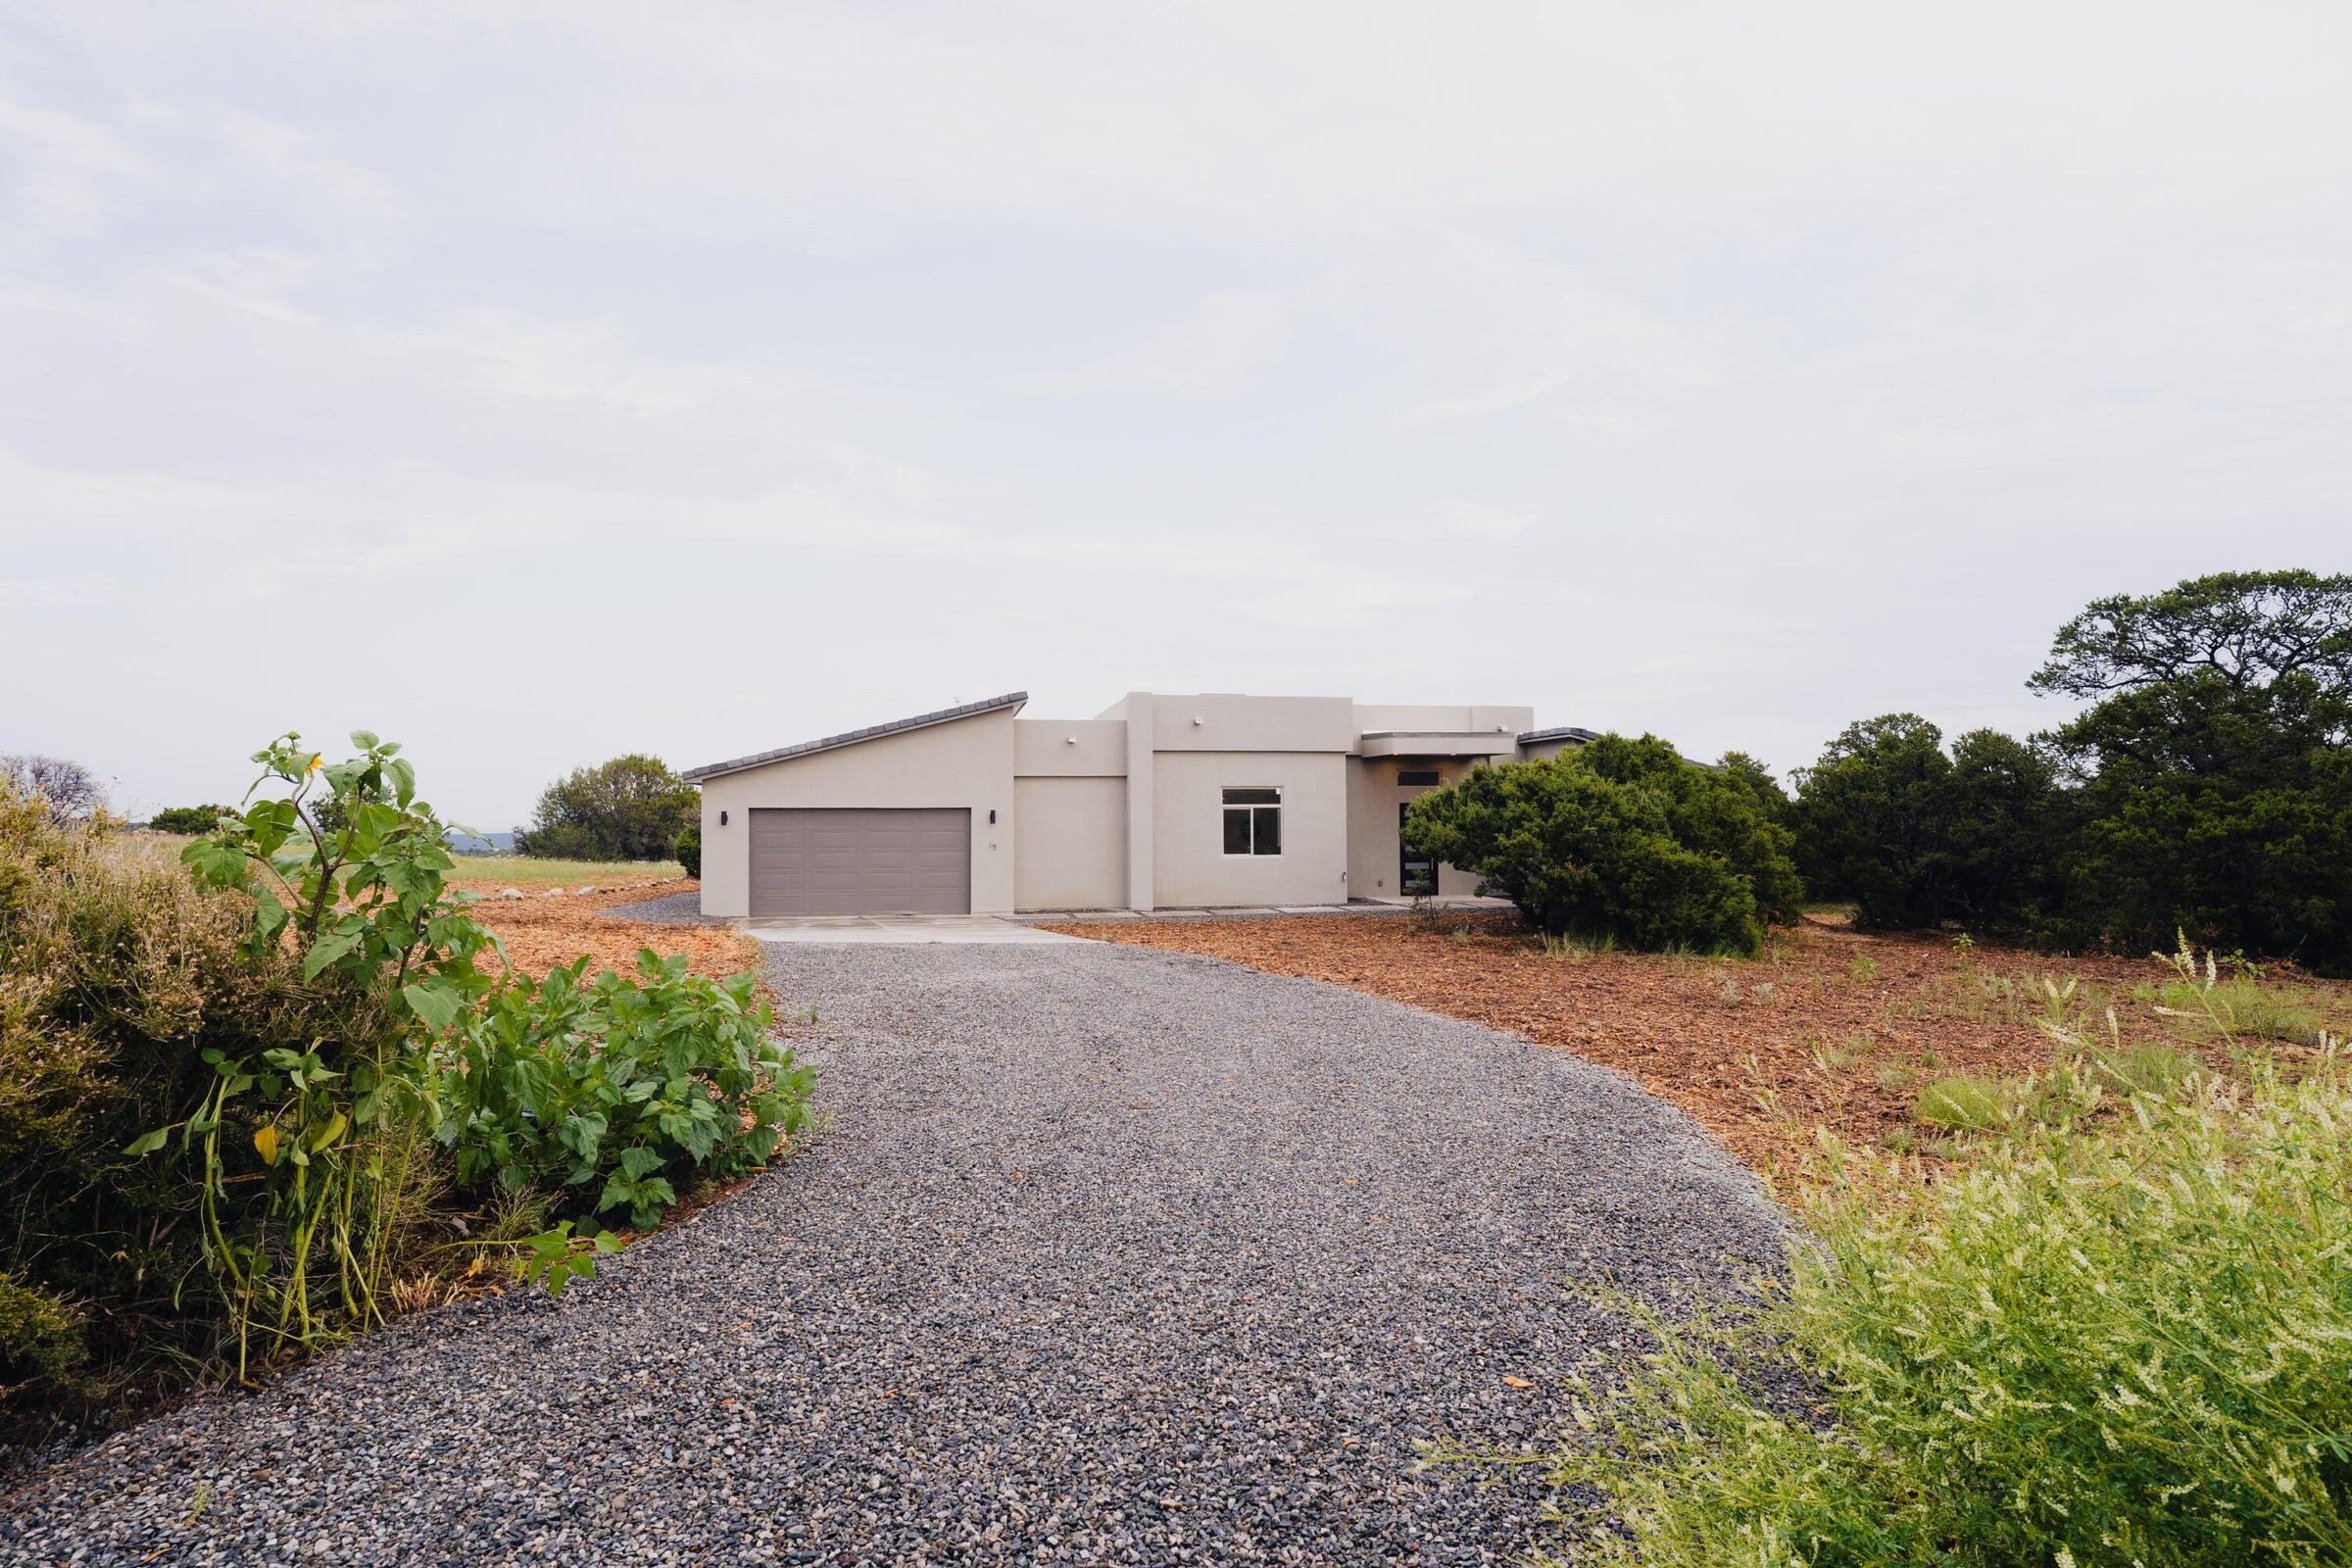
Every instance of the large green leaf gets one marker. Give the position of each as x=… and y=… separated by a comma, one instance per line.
x=329, y=949
x=435, y=1002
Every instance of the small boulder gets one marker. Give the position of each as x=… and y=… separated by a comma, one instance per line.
x=510, y=893
x=584, y=892
x=553, y=892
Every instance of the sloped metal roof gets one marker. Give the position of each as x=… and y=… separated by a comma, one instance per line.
x=897, y=726
x=1566, y=732
x=1582, y=736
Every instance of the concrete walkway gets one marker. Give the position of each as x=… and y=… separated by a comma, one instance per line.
x=1021, y=929
x=952, y=929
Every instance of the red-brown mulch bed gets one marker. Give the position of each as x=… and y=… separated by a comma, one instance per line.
x=1829, y=1029
x=541, y=931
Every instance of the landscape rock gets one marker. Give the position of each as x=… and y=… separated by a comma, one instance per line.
x=1105, y=1256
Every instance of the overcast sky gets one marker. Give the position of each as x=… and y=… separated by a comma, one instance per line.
x=537, y=383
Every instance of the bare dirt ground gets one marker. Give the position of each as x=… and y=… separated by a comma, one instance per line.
x=1830, y=1028
x=542, y=930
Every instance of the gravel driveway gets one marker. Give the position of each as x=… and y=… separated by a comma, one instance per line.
x=1106, y=1255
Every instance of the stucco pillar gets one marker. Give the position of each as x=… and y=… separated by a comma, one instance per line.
x=1139, y=752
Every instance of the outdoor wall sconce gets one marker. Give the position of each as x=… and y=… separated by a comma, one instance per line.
x=722, y=819
x=992, y=817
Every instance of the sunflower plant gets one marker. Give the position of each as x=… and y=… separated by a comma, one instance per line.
x=304, y=1145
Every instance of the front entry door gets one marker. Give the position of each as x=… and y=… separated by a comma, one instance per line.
x=1416, y=874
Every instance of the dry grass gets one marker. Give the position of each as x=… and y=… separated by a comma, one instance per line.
x=547, y=928
x=490, y=872
x=1827, y=1029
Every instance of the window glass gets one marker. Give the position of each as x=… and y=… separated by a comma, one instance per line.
x=1409, y=777
x=1237, y=832
x=1266, y=831
x=1253, y=819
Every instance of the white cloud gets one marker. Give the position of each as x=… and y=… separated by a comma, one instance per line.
x=288, y=154
x=1476, y=521
x=62, y=168
x=1731, y=380
x=1216, y=352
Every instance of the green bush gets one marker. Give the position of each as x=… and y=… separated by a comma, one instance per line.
x=220, y=1073
x=687, y=851
x=118, y=978
x=2099, y=1343
x=609, y=1094
x=1732, y=812
x=187, y=819
x=1620, y=840
x=629, y=809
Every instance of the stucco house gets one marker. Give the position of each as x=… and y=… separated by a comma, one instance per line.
x=1158, y=801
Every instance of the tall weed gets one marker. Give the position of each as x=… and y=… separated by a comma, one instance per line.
x=2099, y=1343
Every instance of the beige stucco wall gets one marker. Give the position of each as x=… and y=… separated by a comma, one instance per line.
x=1190, y=866
x=966, y=763
x=1073, y=843
x=1373, y=796
x=1069, y=748
x=1226, y=723
x=1131, y=799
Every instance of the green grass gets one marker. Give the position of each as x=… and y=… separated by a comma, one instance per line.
x=2104, y=1343
x=529, y=872
x=2240, y=1008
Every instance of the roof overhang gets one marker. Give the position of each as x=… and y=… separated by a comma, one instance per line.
x=897, y=726
x=1573, y=734
x=1437, y=743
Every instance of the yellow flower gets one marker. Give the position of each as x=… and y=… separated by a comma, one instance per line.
x=313, y=762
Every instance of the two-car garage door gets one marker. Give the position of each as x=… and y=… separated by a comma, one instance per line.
x=859, y=861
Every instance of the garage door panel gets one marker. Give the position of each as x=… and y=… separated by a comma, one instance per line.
x=808, y=860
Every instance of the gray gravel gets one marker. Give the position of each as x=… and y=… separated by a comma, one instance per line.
x=671, y=909
x=1106, y=1255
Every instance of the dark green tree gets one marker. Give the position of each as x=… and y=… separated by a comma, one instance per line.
x=631, y=809
x=2246, y=629
x=2003, y=820
x=2214, y=792
x=1918, y=837
x=187, y=819
x=1870, y=819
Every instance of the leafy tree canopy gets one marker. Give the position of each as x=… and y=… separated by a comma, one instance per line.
x=1734, y=812
x=2244, y=628
x=1620, y=838
x=631, y=809
x=187, y=819
x=2206, y=789
x=1916, y=837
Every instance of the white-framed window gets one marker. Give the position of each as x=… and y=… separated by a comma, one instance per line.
x=1253, y=820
